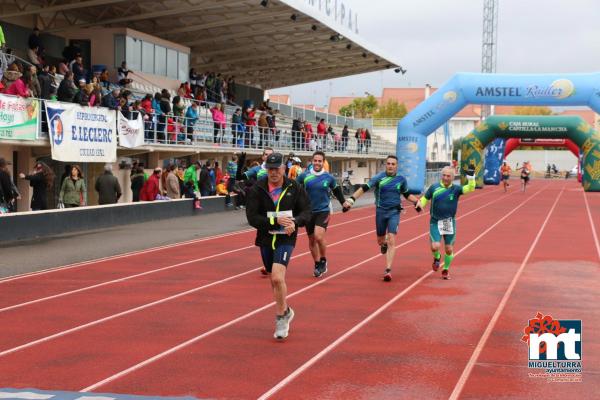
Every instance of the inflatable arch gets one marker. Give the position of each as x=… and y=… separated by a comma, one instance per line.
x=471, y=88
x=502, y=127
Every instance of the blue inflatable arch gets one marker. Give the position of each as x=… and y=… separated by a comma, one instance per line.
x=472, y=88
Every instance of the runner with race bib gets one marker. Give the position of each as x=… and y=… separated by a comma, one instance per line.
x=442, y=224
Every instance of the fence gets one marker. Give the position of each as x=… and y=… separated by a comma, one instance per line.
x=203, y=132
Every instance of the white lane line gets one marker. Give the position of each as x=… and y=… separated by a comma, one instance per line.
x=168, y=267
x=589, y=213
x=133, y=253
x=488, y=330
x=263, y=308
x=157, y=302
x=285, y=381
x=164, y=300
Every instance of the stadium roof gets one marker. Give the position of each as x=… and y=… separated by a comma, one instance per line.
x=282, y=43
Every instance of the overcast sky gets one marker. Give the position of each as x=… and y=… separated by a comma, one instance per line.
x=434, y=39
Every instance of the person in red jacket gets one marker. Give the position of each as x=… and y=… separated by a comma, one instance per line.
x=151, y=187
x=322, y=131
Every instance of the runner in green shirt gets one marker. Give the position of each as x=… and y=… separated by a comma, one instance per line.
x=444, y=197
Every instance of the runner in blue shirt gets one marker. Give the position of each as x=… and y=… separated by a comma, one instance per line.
x=260, y=171
x=444, y=203
x=318, y=183
x=388, y=188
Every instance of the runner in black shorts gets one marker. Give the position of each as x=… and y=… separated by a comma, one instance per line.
x=318, y=184
x=525, y=172
x=277, y=206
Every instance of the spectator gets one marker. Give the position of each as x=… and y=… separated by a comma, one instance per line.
x=181, y=92
x=308, y=134
x=345, y=134
x=73, y=192
x=204, y=181
x=236, y=128
x=190, y=177
x=165, y=107
x=124, y=107
x=263, y=128
x=193, y=77
x=105, y=79
x=79, y=72
x=222, y=190
x=296, y=133
x=45, y=82
x=123, y=73
x=95, y=95
x=112, y=99
x=191, y=117
x=367, y=140
x=34, y=41
x=41, y=179
x=32, y=55
x=66, y=90
x=7, y=194
x=322, y=134
x=63, y=67
x=272, y=124
x=232, y=171
x=219, y=122
x=70, y=52
x=20, y=87
x=82, y=97
x=107, y=186
x=218, y=172
x=231, y=87
x=151, y=187
x=172, y=184
x=251, y=123
x=137, y=181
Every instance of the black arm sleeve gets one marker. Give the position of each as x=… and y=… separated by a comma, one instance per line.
x=339, y=194
x=365, y=187
x=406, y=195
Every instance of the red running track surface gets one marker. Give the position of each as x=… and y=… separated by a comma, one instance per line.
x=202, y=324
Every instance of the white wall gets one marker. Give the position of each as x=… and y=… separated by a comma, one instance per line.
x=564, y=159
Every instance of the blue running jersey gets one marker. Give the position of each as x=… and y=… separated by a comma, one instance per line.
x=388, y=189
x=318, y=187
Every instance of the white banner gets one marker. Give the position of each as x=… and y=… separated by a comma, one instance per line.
x=19, y=118
x=81, y=134
x=131, y=132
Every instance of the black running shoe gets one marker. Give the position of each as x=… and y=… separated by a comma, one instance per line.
x=320, y=269
x=384, y=248
x=445, y=274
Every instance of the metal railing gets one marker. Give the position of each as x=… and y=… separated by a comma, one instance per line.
x=205, y=132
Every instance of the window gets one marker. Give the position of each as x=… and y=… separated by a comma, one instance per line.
x=183, y=67
x=148, y=57
x=119, y=50
x=133, y=52
x=160, y=60
x=172, y=63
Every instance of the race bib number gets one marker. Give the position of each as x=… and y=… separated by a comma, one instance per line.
x=446, y=226
x=273, y=214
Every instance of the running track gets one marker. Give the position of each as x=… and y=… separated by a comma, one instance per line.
x=197, y=318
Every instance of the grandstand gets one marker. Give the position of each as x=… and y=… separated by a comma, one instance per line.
x=264, y=44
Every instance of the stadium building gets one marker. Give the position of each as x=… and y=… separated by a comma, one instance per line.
x=262, y=44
